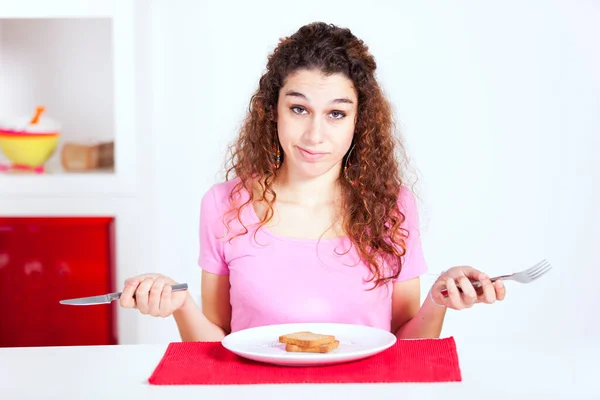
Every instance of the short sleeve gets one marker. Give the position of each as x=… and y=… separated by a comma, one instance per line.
x=413, y=262
x=211, y=257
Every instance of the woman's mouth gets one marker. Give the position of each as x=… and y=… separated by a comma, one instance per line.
x=310, y=155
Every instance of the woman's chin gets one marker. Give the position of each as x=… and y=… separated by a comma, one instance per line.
x=304, y=170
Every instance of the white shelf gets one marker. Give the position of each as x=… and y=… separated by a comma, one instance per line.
x=56, y=8
x=82, y=185
x=69, y=207
x=118, y=193
x=78, y=59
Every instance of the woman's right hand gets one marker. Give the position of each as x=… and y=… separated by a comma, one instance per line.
x=153, y=295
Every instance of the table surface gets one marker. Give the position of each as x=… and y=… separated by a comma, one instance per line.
x=525, y=369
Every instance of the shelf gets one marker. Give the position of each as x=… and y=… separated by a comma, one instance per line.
x=77, y=59
x=83, y=184
x=118, y=207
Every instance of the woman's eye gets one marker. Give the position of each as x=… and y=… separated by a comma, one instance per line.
x=298, y=110
x=337, y=114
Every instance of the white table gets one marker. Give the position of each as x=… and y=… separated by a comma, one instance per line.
x=490, y=371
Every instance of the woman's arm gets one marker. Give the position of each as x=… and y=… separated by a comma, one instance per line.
x=410, y=319
x=211, y=322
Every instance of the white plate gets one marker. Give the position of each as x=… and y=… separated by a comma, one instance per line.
x=262, y=343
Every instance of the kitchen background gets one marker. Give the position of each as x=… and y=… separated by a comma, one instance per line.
x=498, y=103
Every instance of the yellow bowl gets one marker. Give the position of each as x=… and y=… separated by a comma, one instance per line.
x=29, y=150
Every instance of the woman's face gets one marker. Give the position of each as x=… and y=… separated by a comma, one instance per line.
x=316, y=115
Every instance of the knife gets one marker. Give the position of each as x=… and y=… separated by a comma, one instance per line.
x=107, y=298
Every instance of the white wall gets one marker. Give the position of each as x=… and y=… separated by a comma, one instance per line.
x=499, y=106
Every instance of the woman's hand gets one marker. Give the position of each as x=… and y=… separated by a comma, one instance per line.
x=461, y=292
x=151, y=294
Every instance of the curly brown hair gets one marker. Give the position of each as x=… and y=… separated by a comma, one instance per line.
x=371, y=216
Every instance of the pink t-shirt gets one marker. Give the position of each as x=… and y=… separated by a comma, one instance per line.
x=277, y=280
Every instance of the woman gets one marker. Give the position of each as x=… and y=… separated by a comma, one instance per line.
x=317, y=224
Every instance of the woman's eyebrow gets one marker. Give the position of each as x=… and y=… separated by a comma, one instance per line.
x=342, y=100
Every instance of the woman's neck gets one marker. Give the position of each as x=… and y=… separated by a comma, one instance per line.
x=291, y=187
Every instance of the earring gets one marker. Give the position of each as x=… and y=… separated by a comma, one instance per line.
x=348, y=165
x=277, y=155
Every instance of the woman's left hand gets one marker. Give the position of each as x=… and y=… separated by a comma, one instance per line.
x=461, y=277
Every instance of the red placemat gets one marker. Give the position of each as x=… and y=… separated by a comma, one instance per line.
x=202, y=363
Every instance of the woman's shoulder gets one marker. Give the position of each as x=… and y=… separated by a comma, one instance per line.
x=407, y=200
x=222, y=190
x=219, y=194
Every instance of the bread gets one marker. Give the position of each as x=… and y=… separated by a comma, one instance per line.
x=309, y=342
x=324, y=348
x=306, y=339
x=82, y=157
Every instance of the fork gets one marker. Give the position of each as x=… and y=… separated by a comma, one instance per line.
x=527, y=276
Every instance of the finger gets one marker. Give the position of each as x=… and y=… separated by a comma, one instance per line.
x=454, y=299
x=470, y=272
x=154, y=296
x=126, y=299
x=140, y=278
x=487, y=293
x=469, y=296
x=436, y=292
x=500, y=289
x=141, y=295
x=165, y=302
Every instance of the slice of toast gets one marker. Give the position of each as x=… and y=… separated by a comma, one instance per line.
x=324, y=348
x=306, y=339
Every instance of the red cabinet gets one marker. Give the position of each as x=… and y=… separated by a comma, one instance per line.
x=44, y=260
